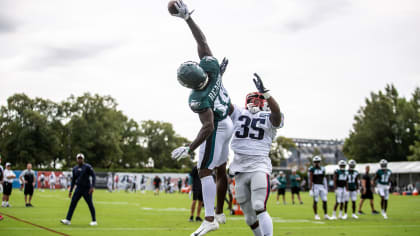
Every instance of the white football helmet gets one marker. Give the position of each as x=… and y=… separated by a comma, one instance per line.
x=342, y=164
x=383, y=163
x=352, y=164
x=316, y=159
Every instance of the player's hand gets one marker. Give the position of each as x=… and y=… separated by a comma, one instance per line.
x=311, y=193
x=182, y=9
x=69, y=194
x=259, y=84
x=180, y=153
x=91, y=190
x=223, y=65
x=26, y=181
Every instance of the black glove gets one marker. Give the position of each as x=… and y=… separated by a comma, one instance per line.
x=223, y=65
x=259, y=84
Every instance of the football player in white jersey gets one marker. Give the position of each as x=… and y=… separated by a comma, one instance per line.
x=255, y=127
x=52, y=180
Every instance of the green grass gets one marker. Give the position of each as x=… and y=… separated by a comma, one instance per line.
x=123, y=213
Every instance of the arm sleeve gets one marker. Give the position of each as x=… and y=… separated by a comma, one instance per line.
x=210, y=65
x=92, y=173
x=73, y=180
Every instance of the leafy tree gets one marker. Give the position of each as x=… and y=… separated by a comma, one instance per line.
x=279, y=148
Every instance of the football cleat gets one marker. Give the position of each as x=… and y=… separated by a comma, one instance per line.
x=317, y=217
x=221, y=218
x=354, y=216
x=93, y=223
x=326, y=217
x=65, y=221
x=333, y=217
x=344, y=217
x=385, y=216
x=206, y=227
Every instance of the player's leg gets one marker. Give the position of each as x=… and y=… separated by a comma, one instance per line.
x=74, y=200
x=360, y=205
x=89, y=201
x=221, y=185
x=260, y=190
x=298, y=195
x=293, y=197
x=192, y=209
x=323, y=194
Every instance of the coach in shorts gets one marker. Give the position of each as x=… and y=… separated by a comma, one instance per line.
x=9, y=175
x=367, y=192
x=28, y=178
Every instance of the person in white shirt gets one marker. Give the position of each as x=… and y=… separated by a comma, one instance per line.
x=63, y=182
x=9, y=175
x=41, y=179
x=255, y=127
x=52, y=181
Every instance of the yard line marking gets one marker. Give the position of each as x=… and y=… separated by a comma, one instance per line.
x=39, y=226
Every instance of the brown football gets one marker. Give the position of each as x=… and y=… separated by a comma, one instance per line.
x=171, y=8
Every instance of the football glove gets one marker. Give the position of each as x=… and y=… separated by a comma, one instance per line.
x=180, y=153
x=182, y=9
x=223, y=65
x=260, y=86
x=311, y=193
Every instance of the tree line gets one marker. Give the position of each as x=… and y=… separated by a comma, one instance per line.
x=50, y=134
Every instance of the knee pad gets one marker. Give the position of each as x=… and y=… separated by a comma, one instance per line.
x=258, y=205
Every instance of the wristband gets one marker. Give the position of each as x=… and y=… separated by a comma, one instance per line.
x=266, y=95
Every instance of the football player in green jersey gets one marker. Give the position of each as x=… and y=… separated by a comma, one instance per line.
x=318, y=186
x=352, y=187
x=340, y=183
x=383, y=180
x=281, y=187
x=211, y=102
x=295, y=185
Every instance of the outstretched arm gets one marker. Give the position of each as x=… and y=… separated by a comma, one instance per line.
x=275, y=117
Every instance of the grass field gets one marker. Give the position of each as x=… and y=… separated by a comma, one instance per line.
x=167, y=214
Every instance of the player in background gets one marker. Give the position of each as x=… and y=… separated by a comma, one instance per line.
x=63, y=182
x=143, y=184
x=318, y=186
x=179, y=184
x=352, y=187
x=197, y=195
x=8, y=178
x=1, y=181
x=84, y=188
x=41, y=179
x=383, y=180
x=367, y=192
x=295, y=186
x=134, y=184
x=281, y=187
x=255, y=127
x=109, y=182
x=52, y=180
x=211, y=101
x=116, y=187
x=28, y=178
x=340, y=185
x=156, y=183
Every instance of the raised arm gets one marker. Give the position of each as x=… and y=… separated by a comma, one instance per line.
x=202, y=46
x=275, y=116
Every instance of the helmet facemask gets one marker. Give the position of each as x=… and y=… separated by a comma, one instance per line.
x=255, y=102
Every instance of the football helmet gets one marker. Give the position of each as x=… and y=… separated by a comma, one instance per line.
x=342, y=164
x=192, y=76
x=316, y=159
x=255, y=102
x=352, y=164
x=383, y=163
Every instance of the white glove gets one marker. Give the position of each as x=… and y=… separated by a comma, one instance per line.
x=182, y=9
x=180, y=153
x=311, y=193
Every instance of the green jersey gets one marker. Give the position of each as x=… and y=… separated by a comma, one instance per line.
x=383, y=176
x=341, y=177
x=295, y=180
x=352, y=178
x=318, y=174
x=282, y=181
x=214, y=95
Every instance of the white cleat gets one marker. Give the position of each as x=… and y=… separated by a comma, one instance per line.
x=333, y=217
x=344, y=217
x=93, y=223
x=206, y=227
x=8, y=205
x=385, y=216
x=326, y=217
x=221, y=218
x=354, y=216
x=65, y=221
x=317, y=217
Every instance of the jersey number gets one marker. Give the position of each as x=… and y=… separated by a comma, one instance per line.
x=385, y=178
x=246, y=128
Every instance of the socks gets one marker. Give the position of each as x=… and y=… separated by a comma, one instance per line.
x=266, y=224
x=209, y=194
x=257, y=231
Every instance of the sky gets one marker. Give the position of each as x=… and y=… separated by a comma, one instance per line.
x=319, y=58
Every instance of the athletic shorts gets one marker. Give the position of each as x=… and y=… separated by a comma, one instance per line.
x=367, y=195
x=29, y=189
x=383, y=191
x=253, y=187
x=351, y=195
x=198, y=195
x=7, y=188
x=295, y=190
x=281, y=191
x=214, y=151
x=341, y=195
x=319, y=192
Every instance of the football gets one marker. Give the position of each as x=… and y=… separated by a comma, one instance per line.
x=171, y=8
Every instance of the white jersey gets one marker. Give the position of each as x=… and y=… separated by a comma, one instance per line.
x=251, y=142
x=52, y=177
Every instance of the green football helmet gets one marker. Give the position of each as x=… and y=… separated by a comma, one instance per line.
x=192, y=76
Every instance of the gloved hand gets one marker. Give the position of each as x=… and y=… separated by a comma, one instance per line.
x=180, y=153
x=223, y=65
x=260, y=86
x=182, y=9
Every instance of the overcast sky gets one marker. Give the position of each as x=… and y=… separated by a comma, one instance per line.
x=320, y=58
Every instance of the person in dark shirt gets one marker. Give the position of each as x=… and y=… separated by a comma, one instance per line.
x=84, y=188
x=367, y=192
x=156, y=182
x=28, y=178
x=197, y=195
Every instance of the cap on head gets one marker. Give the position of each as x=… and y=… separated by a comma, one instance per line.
x=80, y=155
x=8, y=164
x=192, y=76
